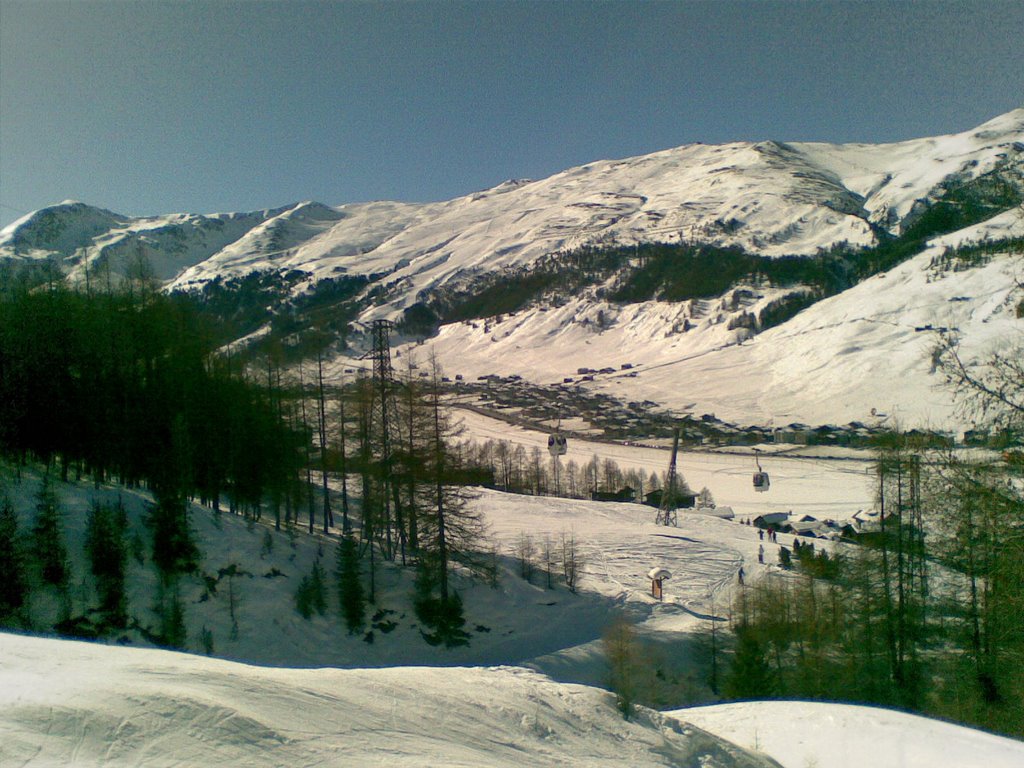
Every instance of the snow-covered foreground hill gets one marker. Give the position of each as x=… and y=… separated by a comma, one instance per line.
x=72, y=704
x=65, y=703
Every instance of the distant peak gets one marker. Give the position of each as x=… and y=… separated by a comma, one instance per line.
x=508, y=184
x=1010, y=122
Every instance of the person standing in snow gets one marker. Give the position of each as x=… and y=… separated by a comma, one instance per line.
x=760, y=553
x=740, y=576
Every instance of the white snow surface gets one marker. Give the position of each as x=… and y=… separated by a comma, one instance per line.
x=74, y=704
x=867, y=348
x=802, y=734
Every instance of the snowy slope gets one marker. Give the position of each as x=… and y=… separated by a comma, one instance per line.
x=866, y=348
x=800, y=734
x=892, y=177
x=515, y=622
x=67, y=703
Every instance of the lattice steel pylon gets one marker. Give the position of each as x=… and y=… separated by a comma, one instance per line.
x=384, y=414
x=667, y=509
x=383, y=375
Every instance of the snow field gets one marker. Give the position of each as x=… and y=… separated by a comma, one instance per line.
x=803, y=734
x=75, y=704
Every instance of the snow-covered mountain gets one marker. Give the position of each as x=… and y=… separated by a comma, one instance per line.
x=869, y=347
x=82, y=239
x=829, y=364
x=768, y=197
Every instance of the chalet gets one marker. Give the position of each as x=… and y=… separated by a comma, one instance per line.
x=777, y=520
x=867, y=521
x=684, y=499
x=623, y=494
x=848, y=531
x=813, y=529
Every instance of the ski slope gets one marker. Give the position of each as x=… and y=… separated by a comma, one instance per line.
x=65, y=703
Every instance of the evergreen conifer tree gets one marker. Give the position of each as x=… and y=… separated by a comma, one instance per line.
x=174, y=549
x=106, y=545
x=350, y=587
x=173, y=632
x=750, y=676
x=13, y=582
x=50, y=552
x=318, y=588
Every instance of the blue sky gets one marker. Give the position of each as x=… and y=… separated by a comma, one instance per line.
x=159, y=107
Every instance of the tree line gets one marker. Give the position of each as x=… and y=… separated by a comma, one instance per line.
x=928, y=613
x=129, y=385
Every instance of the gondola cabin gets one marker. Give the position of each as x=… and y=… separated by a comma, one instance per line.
x=761, y=482
x=557, y=444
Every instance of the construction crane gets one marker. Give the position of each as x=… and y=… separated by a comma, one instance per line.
x=667, y=509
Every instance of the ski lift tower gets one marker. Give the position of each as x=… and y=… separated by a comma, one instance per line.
x=383, y=379
x=557, y=447
x=384, y=412
x=667, y=509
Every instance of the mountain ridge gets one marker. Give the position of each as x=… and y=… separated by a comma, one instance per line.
x=770, y=197
x=341, y=267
